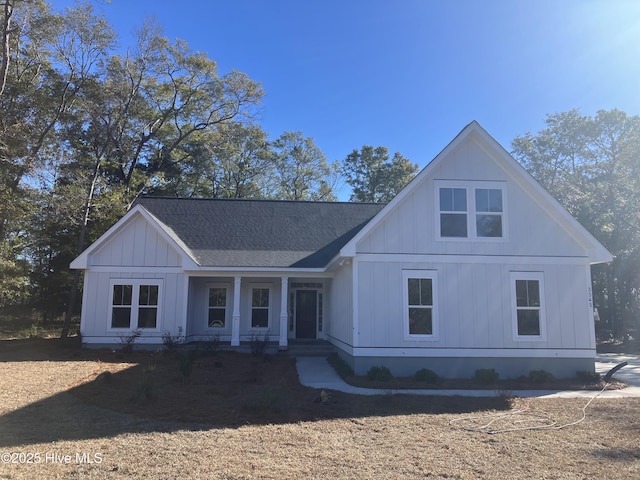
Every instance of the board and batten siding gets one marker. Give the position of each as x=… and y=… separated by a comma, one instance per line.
x=97, y=304
x=137, y=244
x=475, y=306
x=340, y=307
x=412, y=226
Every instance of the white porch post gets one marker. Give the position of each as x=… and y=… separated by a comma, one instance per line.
x=284, y=313
x=235, y=318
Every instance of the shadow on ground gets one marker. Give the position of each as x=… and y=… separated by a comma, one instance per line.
x=150, y=392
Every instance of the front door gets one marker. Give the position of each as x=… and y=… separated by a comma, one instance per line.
x=306, y=313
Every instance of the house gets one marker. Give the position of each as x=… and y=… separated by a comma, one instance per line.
x=473, y=265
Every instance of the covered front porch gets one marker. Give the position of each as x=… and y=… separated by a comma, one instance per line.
x=251, y=306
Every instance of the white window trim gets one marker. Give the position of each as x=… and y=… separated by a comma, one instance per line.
x=228, y=308
x=422, y=274
x=539, y=276
x=135, y=303
x=470, y=186
x=268, y=286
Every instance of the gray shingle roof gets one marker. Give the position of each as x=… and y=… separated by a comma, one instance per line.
x=261, y=233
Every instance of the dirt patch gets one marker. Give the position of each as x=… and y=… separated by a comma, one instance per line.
x=52, y=399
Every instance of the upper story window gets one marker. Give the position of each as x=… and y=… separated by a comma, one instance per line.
x=470, y=210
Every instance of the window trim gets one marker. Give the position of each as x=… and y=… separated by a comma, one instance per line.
x=471, y=212
x=420, y=274
x=229, y=293
x=539, y=276
x=135, y=283
x=263, y=286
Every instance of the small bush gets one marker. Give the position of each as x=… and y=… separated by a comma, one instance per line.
x=146, y=388
x=427, y=376
x=588, y=376
x=127, y=341
x=340, y=366
x=379, y=374
x=172, y=342
x=487, y=375
x=259, y=343
x=187, y=359
x=541, y=376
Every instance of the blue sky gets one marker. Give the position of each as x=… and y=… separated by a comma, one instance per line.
x=410, y=74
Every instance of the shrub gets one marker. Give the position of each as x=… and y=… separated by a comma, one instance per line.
x=487, y=375
x=172, y=342
x=588, y=376
x=127, y=341
x=379, y=374
x=259, y=343
x=187, y=359
x=541, y=376
x=427, y=376
x=340, y=366
x=146, y=388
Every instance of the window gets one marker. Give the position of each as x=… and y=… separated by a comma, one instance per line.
x=488, y=212
x=453, y=212
x=121, y=310
x=134, y=304
x=470, y=210
x=420, y=304
x=527, y=288
x=217, y=307
x=260, y=308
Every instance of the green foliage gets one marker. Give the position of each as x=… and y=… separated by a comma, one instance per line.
x=427, y=376
x=340, y=366
x=486, y=376
x=591, y=165
x=379, y=374
x=374, y=177
x=301, y=169
x=588, y=376
x=541, y=376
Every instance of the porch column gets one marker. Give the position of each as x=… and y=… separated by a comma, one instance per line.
x=284, y=314
x=235, y=318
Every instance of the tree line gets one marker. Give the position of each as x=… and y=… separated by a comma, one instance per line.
x=86, y=128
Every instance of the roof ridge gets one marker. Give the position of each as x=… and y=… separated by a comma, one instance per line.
x=261, y=200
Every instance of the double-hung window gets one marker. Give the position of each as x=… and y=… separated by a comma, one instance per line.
x=135, y=304
x=470, y=210
x=260, y=299
x=217, y=311
x=528, y=305
x=420, y=304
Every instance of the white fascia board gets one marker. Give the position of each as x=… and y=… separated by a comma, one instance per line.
x=81, y=261
x=349, y=250
x=596, y=251
x=188, y=259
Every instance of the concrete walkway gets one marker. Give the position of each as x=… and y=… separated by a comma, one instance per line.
x=316, y=372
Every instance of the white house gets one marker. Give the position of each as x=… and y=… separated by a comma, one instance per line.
x=473, y=265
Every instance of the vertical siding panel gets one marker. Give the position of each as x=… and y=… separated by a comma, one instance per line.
x=481, y=296
x=450, y=311
x=150, y=247
x=467, y=292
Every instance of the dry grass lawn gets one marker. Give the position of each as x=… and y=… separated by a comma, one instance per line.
x=241, y=417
